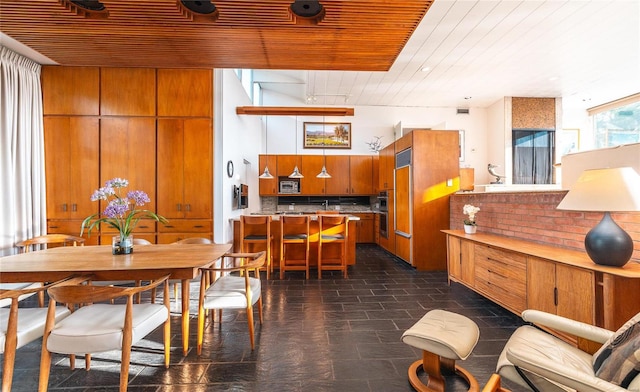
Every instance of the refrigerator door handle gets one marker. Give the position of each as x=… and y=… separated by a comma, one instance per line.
x=403, y=234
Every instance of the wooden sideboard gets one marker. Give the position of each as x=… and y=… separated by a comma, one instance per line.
x=521, y=275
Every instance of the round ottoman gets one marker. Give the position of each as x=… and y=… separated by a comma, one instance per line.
x=443, y=337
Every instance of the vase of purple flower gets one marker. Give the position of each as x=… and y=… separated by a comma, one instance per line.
x=121, y=213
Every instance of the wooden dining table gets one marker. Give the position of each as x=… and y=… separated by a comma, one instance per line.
x=181, y=261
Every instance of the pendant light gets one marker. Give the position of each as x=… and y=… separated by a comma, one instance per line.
x=266, y=174
x=323, y=173
x=296, y=173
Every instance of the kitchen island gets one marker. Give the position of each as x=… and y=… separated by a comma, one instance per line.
x=313, y=238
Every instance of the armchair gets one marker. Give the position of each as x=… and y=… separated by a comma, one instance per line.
x=537, y=360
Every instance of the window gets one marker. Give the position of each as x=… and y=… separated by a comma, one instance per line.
x=533, y=152
x=617, y=126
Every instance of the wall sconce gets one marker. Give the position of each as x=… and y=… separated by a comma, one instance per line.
x=606, y=190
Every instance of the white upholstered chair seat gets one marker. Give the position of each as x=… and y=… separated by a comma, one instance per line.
x=99, y=328
x=30, y=324
x=228, y=292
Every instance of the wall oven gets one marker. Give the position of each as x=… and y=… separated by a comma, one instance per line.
x=383, y=202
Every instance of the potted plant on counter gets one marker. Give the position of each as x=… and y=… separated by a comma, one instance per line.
x=470, y=223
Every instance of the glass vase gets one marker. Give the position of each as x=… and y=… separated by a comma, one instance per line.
x=122, y=246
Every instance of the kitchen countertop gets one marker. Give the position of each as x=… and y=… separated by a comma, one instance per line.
x=314, y=216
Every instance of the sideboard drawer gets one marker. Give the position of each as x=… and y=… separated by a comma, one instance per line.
x=186, y=225
x=502, y=276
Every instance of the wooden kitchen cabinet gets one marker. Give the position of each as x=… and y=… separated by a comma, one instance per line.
x=286, y=164
x=386, y=167
x=184, y=168
x=365, y=228
x=361, y=175
x=460, y=261
x=268, y=186
x=560, y=289
x=310, y=166
x=72, y=165
x=376, y=174
x=338, y=168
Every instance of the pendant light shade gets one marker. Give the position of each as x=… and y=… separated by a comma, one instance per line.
x=266, y=175
x=296, y=172
x=323, y=173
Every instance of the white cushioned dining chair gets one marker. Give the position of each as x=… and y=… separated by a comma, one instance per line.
x=538, y=361
x=191, y=240
x=21, y=325
x=233, y=288
x=100, y=327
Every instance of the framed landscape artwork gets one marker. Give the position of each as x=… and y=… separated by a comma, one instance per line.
x=327, y=135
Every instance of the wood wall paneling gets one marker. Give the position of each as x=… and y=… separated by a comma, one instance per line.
x=70, y=90
x=128, y=92
x=185, y=92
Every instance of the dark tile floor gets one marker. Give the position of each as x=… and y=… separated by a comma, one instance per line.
x=330, y=335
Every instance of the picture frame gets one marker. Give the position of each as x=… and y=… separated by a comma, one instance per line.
x=327, y=135
x=569, y=141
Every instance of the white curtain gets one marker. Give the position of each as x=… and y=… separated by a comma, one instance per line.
x=22, y=177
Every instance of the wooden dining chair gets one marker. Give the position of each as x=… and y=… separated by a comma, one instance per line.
x=36, y=243
x=42, y=241
x=332, y=233
x=235, y=288
x=191, y=240
x=99, y=327
x=22, y=325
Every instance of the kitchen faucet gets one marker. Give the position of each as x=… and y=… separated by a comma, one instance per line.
x=325, y=204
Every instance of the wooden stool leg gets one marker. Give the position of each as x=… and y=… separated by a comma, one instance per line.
x=435, y=366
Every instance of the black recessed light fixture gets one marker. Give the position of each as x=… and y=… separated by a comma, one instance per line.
x=307, y=11
x=89, y=5
x=203, y=7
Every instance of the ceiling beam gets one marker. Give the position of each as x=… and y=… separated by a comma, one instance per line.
x=294, y=111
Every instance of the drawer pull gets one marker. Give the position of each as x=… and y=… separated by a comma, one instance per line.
x=496, y=273
x=198, y=226
x=171, y=227
x=53, y=227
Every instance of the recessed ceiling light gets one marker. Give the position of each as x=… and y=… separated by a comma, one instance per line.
x=425, y=69
x=551, y=79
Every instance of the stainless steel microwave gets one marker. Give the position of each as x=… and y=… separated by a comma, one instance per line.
x=289, y=186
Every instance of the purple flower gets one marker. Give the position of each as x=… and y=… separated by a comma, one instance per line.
x=117, y=183
x=116, y=208
x=139, y=197
x=102, y=193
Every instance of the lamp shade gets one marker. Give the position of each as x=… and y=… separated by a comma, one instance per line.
x=604, y=190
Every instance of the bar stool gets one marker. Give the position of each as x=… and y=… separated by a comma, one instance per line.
x=255, y=230
x=294, y=230
x=332, y=230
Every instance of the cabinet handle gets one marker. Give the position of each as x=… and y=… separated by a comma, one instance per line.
x=64, y=207
x=346, y=190
x=74, y=207
x=187, y=207
x=198, y=226
x=53, y=227
x=555, y=296
x=495, y=273
x=171, y=227
x=144, y=227
x=179, y=207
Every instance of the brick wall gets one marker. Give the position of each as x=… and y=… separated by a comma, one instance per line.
x=533, y=216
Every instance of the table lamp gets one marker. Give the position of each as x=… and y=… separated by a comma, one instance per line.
x=606, y=190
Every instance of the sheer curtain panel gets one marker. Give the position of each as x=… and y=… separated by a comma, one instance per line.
x=22, y=177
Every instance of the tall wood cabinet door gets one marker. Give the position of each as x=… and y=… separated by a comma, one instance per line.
x=70, y=90
x=268, y=186
x=137, y=99
x=454, y=257
x=338, y=168
x=185, y=92
x=310, y=184
x=170, y=168
x=185, y=173
x=124, y=153
x=198, y=168
x=376, y=174
x=541, y=284
x=361, y=174
x=576, y=298
x=467, y=262
x=387, y=164
x=71, y=163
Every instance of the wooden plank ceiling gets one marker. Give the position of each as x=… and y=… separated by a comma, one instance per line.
x=357, y=35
